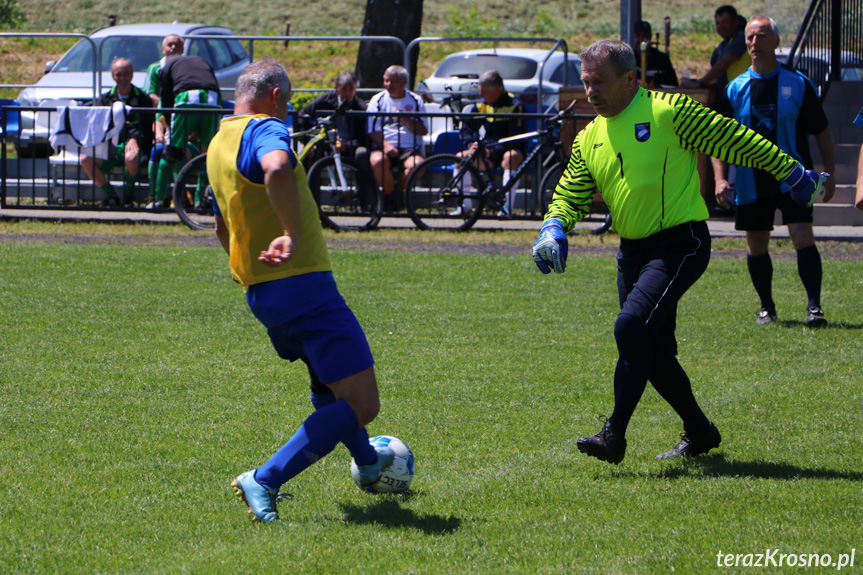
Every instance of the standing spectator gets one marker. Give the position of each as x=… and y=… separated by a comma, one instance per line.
x=659, y=71
x=640, y=153
x=395, y=138
x=135, y=138
x=186, y=82
x=782, y=106
x=729, y=59
x=172, y=45
x=494, y=101
x=352, y=130
x=268, y=223
x=858, y=198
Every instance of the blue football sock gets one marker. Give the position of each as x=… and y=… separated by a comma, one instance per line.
x=315, y=438
x=358, y=443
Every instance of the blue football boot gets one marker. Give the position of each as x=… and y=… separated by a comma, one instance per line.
x=261, y=501
x=369, y=474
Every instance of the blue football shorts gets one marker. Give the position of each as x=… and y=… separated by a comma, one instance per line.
x=329, y=336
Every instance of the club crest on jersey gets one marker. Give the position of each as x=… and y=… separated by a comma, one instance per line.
x=785, y=92
x=642, y=132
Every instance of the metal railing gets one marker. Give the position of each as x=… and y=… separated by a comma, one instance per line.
x=830, y=39
x=59, y=181
x=95, y=51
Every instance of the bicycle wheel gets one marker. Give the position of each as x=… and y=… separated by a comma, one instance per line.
x=193, y=196
x=439, y=198
x=547, y=186
x=347, y=200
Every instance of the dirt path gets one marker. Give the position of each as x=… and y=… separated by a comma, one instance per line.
x=828, y=249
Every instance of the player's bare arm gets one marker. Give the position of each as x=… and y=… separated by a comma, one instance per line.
x=723, y=192
x=824, y=141
x=284, y=197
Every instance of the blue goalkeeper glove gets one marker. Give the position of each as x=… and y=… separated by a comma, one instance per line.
x=806, y=185
x=551, y=247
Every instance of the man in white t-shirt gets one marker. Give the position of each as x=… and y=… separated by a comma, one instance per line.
x=396, y=138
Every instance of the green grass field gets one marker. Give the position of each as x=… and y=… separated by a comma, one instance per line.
x=135, y=384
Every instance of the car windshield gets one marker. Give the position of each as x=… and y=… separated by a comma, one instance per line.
x=141, y=51
x=471, y=66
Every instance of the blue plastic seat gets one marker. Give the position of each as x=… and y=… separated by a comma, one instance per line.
x=448, y=142
x=13, y=118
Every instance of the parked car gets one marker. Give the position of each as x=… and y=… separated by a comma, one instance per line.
x=70, y=81
x=818, y=62
x=520, y=68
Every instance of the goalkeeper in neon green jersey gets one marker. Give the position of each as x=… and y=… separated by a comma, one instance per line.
x=640, y=153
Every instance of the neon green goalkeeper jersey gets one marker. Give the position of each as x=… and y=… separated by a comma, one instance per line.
x=643, y=161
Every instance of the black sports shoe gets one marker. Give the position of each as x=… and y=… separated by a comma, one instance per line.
x=692, y=444
x=766, y=316
x=816, y=317
x=606, y=445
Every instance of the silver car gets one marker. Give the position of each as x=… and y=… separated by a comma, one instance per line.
x=519, y=67
x=70, y=81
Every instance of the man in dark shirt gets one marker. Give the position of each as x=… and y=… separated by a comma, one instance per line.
x=729, y=59
x=500, y=123
x=136, y=138
x=352, y=129
x=186, y=82
x=660, y=72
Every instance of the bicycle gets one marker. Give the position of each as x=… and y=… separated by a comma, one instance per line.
x=347, y=195
x=436, y=191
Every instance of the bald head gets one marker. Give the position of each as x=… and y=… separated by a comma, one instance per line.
x=172, y=45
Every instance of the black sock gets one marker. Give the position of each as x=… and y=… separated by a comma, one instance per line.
x=809, y=268
x=761, y=272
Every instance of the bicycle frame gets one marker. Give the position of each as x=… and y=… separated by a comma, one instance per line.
x=491, y=188
x=324, y=132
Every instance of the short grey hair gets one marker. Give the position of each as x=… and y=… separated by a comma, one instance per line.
x=345, y=79
x=491, y=79
x=259, y=78
x=396, y=70
x=774, y=27
x=618, y=53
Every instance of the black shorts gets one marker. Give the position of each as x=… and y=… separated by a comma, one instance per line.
x=495, y=153
x=759, y=215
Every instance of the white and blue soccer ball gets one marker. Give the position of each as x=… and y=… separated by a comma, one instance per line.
x=398, y=476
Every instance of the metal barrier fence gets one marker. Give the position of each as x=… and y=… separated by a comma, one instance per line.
x=58, y=181
x=830, y=39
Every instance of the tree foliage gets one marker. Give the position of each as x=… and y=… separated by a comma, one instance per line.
x=11, y=15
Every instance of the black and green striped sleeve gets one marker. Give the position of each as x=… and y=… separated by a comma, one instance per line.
x=706, y=131
x=576, y=186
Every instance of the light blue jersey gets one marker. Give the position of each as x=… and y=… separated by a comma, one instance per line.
x=784, y=108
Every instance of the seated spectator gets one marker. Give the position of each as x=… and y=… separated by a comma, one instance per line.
x=352, y=130
x=136, y=138
x=659, y=72
x=395, y=138
x=494, y=99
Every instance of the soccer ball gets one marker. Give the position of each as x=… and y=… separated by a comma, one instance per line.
x=398, y=476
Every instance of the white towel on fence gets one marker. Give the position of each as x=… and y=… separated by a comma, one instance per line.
x=88, y=127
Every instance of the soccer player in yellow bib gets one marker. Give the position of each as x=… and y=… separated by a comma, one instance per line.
x=640, y=153
x=268, y=223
